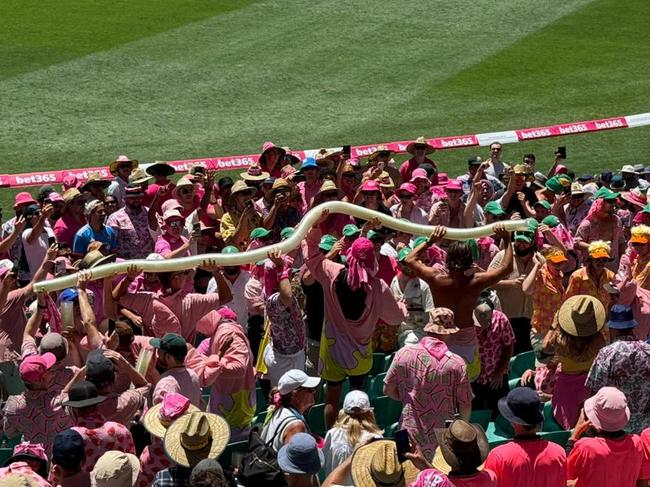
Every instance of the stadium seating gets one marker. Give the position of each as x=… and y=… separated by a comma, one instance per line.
x=520, y=363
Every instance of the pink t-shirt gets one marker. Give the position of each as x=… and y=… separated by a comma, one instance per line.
x=12, y=324
x=167, y=243
x=531, y=463
x=491, y=342
x=485, y=478
x=181, y=381
x=307, y=192
x=66, y=228
x=605, y=462
x=151, y=191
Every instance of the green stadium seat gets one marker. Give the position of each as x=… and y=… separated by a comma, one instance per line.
x=520, y=363
x=316, y=419
x=550, y=425
x=387, y=361
x=559, y=437
x=260, y=418
x=495, y=443
x=225, y=459
x=378, y=364
x=482, y=417
x=499, y=429
x=376, y=386
x=387, y=411
x=389, y=432
x=6, y=442
x=261, y=400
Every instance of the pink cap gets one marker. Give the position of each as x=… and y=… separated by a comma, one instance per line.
x=171, y=213
x=71, y=181
x=173, y=406
x=54, y=197
x=419, y=174
x=443, y=179
x=23, y=198
x=225, y=313
x=33, y=449
x=354, y=161
x=33, y=367
x=407, y=188
x=170, y=205
x=453, y=185
x=370, y=185
x=561, y=169
x=608, y=409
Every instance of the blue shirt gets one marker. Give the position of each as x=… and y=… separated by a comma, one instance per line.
x=86, y=234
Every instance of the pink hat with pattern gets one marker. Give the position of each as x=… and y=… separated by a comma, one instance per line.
x=441, y=322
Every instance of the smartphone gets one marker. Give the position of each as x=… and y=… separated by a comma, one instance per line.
x=51, y=241
x=111, y=327
x=403, y=445
x=346, y=150
x=249, y=203
x=59, y=267
x=196, y=228
x=561, y=151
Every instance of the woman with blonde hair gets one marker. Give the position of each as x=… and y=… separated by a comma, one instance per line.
x=355, y=425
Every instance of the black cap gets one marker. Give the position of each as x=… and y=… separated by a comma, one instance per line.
x=68, y=449
x=99, y=369
x=429, y=169
x=474, y=161
x=83, y=394
x=225, y=182
x=522, y=406
x=175, y=345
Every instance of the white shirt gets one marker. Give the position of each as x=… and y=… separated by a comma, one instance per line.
x=337, y=449
x=35, y=251
x=419, y=301
x=238, y=303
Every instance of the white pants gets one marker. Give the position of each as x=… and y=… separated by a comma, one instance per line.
x=277, y=364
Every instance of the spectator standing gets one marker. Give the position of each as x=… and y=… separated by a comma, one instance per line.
x=121, y=168
x=72, y=217
x=68, y=456
x=132, y=225
x=94, y=230
x=419, y=149
x=176, y=378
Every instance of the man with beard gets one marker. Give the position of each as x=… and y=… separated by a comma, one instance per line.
x=131, y=225
x=176, y=378
x=94, y=230
x=517, y=305
x=236, y=278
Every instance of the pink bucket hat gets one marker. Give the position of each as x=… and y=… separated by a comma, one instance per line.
x=608, y=409
x=71, y=181
x=441, y=322
x=33, y=368
x=453, y=185
x=419, y=174
x=24, y=198
x=370, y=185
x=160, y=416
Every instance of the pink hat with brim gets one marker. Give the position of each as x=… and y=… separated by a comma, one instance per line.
x=608, y=409
x=24, y=198
x=453, y=185
x=419, y=174
x=54, y=197
x=443, y=179
x=407, y=188
x=71, y=181
x=560, y=169
x=172, y=213
x=33, y=368
x=370, y=185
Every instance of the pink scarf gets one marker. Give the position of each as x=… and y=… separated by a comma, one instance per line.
x=362, y=264
x=53, y=314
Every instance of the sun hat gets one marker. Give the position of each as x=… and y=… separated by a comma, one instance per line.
x=453, y=185
x=94, y=179
x=24, y=198
x=406, y=188
x=638, y=168
x=33, y=367
x=356, y=402
x=608, y=410
x=576, y=189
x=99, y=368
x=328, y=186
x=494, y=208
x=133, y=190
x=540, y=179
x=461, y=446
x=403, y=254
x=378, y=150
x=385, y=181
x=18, y=480
x=599, y=249
x=551, y=221
x=6, y=265
x=295, y=378
x=521, y=169
x=522, y=406
x=196, y=436
x=254, y=173
x=280, y=184
x=139, y=176
x=83, y=394
x=160, y=168
x=115, y=469
x=260, y=232
x=420, y=143
x=71, y=181
x=92, y=205
x=172, y=343
x=55, y=197
x=267, y=147
x=241, y=187
x=628, y=168
x=441, y=322
x=351, y=230
x=95, y=258
x=183, y=183
x=301, y=456
x=586, y=178
x=370, y=186
x=377, y=464
x=582, y=315
x=27, y=451
x=635, y=197
x=640, y=234
x=72, y=194
x=431, y=477
x=161, y=415
x=621, y=317
x=555, y=255
x=419, y=173
x=122, y=160
x=617, y=182
x=68, y=449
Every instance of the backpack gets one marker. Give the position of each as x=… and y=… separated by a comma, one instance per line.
x=259, y=465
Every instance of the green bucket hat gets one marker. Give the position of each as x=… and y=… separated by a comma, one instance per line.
x=327, y=242
x=557, y=184
x=606, y=194
x=230, y=249
x=351, y=230
x=551, y=221
x=419, y=240
x=494, y=208
x=286, y=232
x=260, y=232
x=402, y=254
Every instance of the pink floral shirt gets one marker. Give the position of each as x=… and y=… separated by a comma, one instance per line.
x=491, y=342
x=132, y=228
x=101, y=436
x=152, y=460
x=24, y=469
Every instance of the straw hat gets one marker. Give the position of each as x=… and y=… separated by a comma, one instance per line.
x=385, y=181
x=420, y=143
x=95, y=258
x=182, y=183
x=240, y=186
x=196, y=436
x=254, y=173
x=161, y=168
x=121, y=160
x=139, y=176
x=328, y=186
x=377, y=151
x=376, y=464
x=582, y=316
x=18, y=480
x=163, y=414
x=94, y=178
x=460, y=445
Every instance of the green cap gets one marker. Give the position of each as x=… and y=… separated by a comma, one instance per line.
x=402, y=254
x=473, y=246
x=230, y=249
x=557, y=184
x=372, y=234
x=327, y=242
x=494, y=208
x=544, y=204
x=286, y=232
x=523, y=237
x=532, y=225
x=173, y=344
x=606, y=194
x=646, y=208
x=260, y=232
x=419, y=240
x=351, y=230
x=551, y=221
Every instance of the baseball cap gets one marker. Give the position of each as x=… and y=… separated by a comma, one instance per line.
x=260, y=232
x=33, y=368
x=523, y=237
x=327, y=242
x=295, y=378
x=555, y=255
x=543, y=204
x=474, y=161
x=68, y=449
x=287, y=232
x=308, y=162
x=172, y=213
x=5, y=266
x=356, y=402
x=351, y=230
x=230, y=249
x=551, y=221
x=99, y=369
x=173, y=344
x=494, y=208
x=402, y=254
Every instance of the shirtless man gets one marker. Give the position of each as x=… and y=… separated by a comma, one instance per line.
x=460, y=288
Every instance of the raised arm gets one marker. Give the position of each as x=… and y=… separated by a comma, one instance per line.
x=492, y=276
x=8, y=242
x=46, y=267
x=86, y=310
x=284, y=284
x=417, y=266
x=46, y=211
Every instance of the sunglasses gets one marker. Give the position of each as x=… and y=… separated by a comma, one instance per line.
x=175, y=224
x=370, y=193
x=186, y=191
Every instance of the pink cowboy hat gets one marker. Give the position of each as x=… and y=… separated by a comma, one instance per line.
x=635, y=197
x=269, y=146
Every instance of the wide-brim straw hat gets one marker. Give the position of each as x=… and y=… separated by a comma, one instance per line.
x=152, y=421
x=254, y=173
x=96, y=179
x=139, y=176
x=582, y=316
x=460, y=441
x=240, y=187
x=183, y=182
x=375, y=153
x=376, y=464
x=196, y=436
x=385, y=181
x=121, y=160
x=420, y=142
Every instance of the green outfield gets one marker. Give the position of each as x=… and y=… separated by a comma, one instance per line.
x=83, y=81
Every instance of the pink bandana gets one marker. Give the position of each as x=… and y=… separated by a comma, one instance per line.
x=362, y=264
x=595, y=210
x=226, y=314
x=431, y=478
x=173, y=406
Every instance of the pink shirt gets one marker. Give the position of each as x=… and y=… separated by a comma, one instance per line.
x=123, y=407
x=593, y=461
x=167, y=243
x=308, y=192
x=491, y=343
x=12, y=324
x=151, y=191
x=181, y=381
x=152, y=460
x=485, y=478
x=387, y=269
x=532, y=463
x=23, y=468
x=66, y=228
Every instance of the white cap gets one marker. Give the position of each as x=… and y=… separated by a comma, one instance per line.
x=356, y=402
x=628, y=168
x=293, y=379
x=154, y=256
x=173, y=213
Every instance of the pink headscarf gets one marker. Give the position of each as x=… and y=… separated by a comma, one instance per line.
x=595, y=210
x=226, y=314
x=432, y=478
x=362, y=264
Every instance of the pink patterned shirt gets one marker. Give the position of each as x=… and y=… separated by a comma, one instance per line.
x=24, y=469
x=101, y=436
x=491, y=342
x=132, y=228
